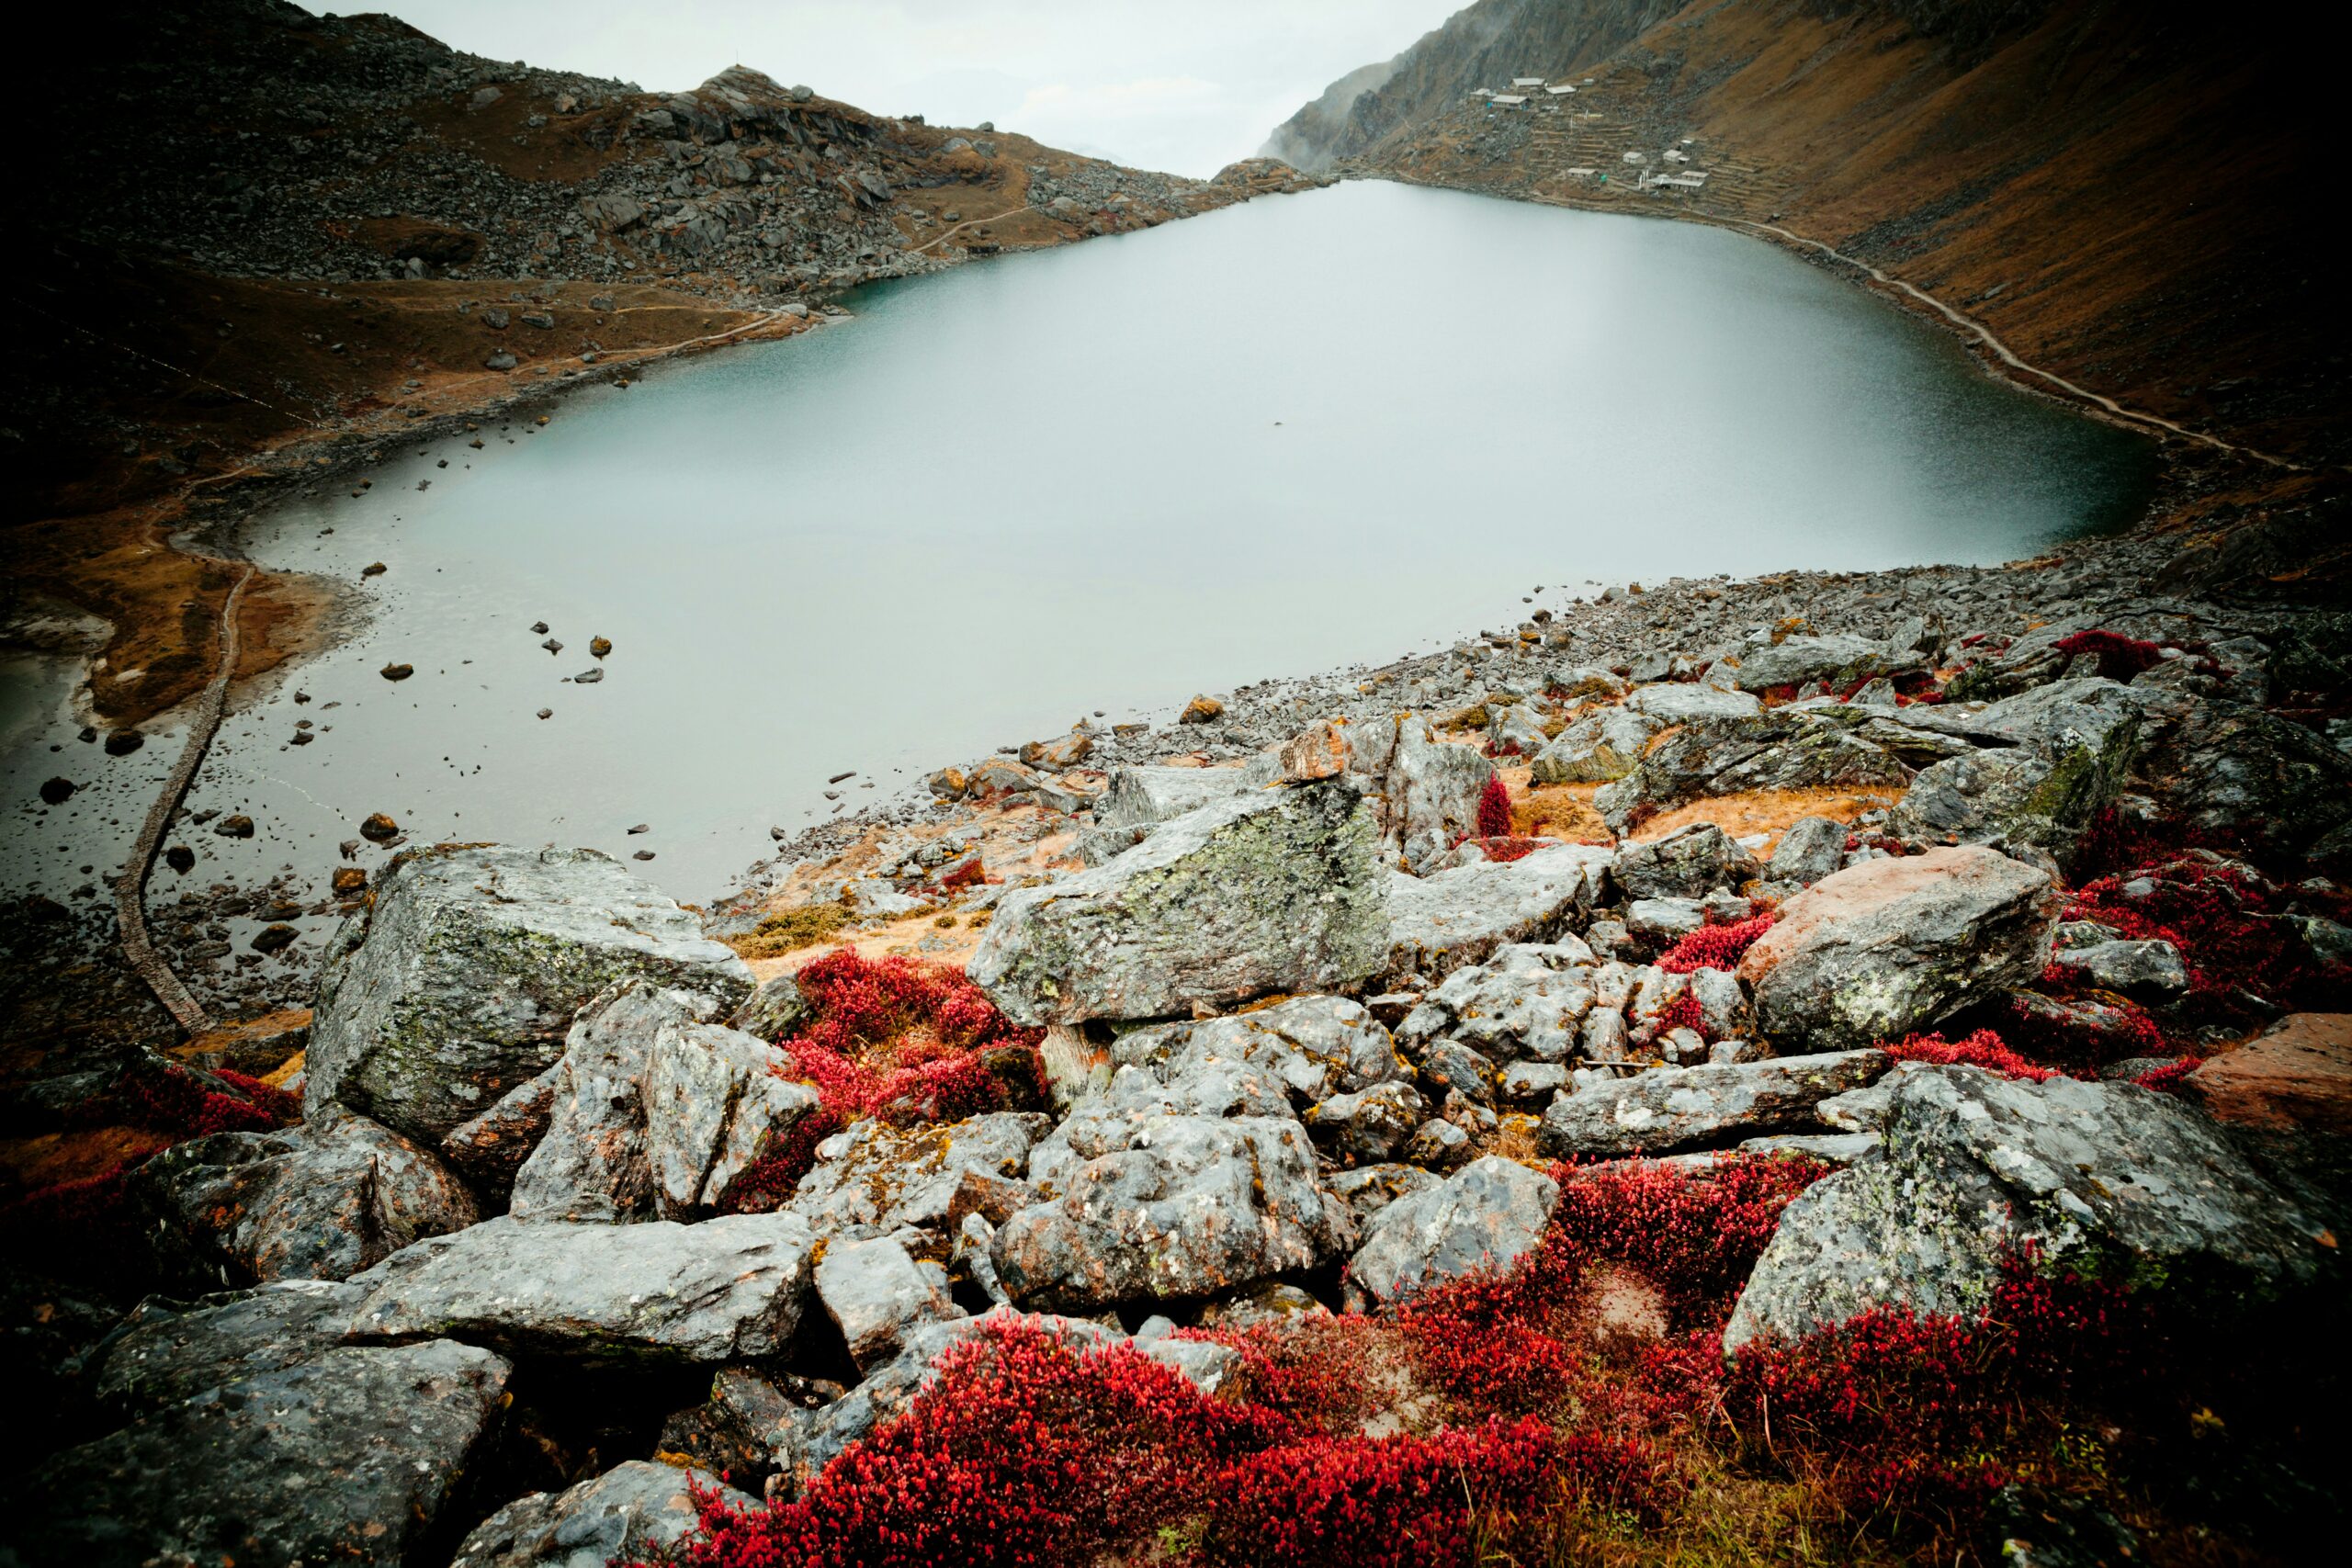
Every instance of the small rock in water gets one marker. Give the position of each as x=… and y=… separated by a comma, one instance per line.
x=303, y=738
x=57, y=792
x=539, y=626
x=1201, y=710
x=274, y=938
x=89, y=733
x=123, y=742
x=374, y=568
x=838, y=777
x=642, y=828
x=642, y=854
x=599, y=646
x=180, y=858
x=552, y=645
x=397, y=671
x=302, y=698
x=547, y=713
x=378, y=828
x=238, y=826
x=587, y=677
x=349, y=882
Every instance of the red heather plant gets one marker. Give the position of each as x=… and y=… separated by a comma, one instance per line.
x=1022, y=1449
x=2119, y=657
x=169, y=1099
x=1715, y=947
x=1899, y=1411
x=1682, y=1012
x=2224, y=920
x=1983, y=1049
x=1494, y=810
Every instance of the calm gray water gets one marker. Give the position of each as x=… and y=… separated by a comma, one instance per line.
x=1297, y=434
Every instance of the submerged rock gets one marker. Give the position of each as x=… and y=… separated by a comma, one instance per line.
x=462, y=980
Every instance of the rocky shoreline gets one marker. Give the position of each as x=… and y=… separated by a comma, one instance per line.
x=1952, y=935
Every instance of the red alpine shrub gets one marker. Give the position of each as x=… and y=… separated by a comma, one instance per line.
x=1983, y=1049
x=170, y=1098
x=764, y=1185
x=1715, y=947
x=1682, y=1012
x=1494, y=810
x=2119, y=657
x=901, y=1040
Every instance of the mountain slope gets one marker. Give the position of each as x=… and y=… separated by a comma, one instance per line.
x=2122, y=193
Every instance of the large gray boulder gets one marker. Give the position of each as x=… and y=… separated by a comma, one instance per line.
x=1685, y=864
x=461, y=979
x=633, y=1510
x=876, y=1176
x=1840, y=658
x=489, y=1149
x=1528, y=1001
x=2061, y=753
x=1891, y=946
x=2227, y=768
x=1136, y=801
x=1671, y=1109
x=715, y=1098
x=1785, y=747
x=1681, y=702
x=347, y=1458
x=1302, y=1050
x=1140, y=1206
x=725, y=1290
x=320, y=1201
x=1426, y=790
x=591, y=1161
x=168, y=1352
x=1596, y=749
x=1483, y=1216
x=1975, y=1171
x=1279, y=890
x=1440, y=922
x=877, y=1294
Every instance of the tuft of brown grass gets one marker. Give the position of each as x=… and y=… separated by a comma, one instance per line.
x=1559, y=811
x=788, y=930
x=1768, y=811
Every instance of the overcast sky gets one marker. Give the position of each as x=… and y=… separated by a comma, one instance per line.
x=1186, y=85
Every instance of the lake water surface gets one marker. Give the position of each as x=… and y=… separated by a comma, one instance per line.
x=1300, y=432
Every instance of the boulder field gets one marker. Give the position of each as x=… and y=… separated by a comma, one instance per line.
x=1956, y=968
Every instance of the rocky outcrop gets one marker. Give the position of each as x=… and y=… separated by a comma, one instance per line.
x=1671, y=1110
x=1150, y=1207
x=1426, y=790
x=659, y=1292
x=1483, y=1216
x=877, y=1294
x=349, y=1456
x=1976, y=1170
x=1275, y=891
x=1890, y=946
x=462, y=980
x=714, y=1100
x=168, y=1352
x=321, y=1200
x=884, y=1179
x=2296, y=1076
x=1440, y=922
x=634, y=1510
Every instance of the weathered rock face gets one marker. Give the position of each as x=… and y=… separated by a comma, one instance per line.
x=1373, y=1126
x=1145, y=1207
x=321, y=1200
x=2105, y=1179
x=1484, y=1215
x=1786, y=748
x=592, y=1162
x=877, y=1294
x=1302, y=1051
x=1528, y=1001
x=1440, y=922
x=1678, y=702
x=886, y=1178
x=1811, y=849
x=461, y=981
x=631, y=1510
x=489, y=1149
x=1671, y=1110
x=1426, y=790
x=2229, y=768
x=2065, y=749
x=1890, y=946
x=169, y=1350
x=2298, y=1075
x=1684, y=864
x=1799, y=661
x=345, y=1458
x=1137, y=800
x=1275, y=891
x=714, y=1099
x=725, y=1290
x=1596, y=749
x=2150, y=971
